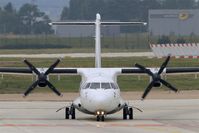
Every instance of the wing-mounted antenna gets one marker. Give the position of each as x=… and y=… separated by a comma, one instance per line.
x=98, y=24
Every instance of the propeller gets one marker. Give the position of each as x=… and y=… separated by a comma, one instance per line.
x=42, y=80
x=156, y=77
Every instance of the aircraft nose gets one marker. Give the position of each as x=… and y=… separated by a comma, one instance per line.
x=102, y=99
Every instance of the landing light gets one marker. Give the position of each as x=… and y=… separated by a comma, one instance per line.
x=98, y=112
x=102, y=113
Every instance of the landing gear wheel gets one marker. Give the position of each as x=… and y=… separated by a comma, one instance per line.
x=67, y=113
x=125, y=112
x=100, y=117
x=72, y=112
x=130, y=113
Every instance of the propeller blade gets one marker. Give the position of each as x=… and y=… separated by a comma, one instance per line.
x=51, y=68
x=163, y=66
x=32, y=67
x=144, y=69
x=168, y=85
x=147, y=90
x=31, y=88
x=53, y=88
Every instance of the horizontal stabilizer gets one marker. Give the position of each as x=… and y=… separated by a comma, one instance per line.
x=72, y=23
x=93, y=23
x=123, y=23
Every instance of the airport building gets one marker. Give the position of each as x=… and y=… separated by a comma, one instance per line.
x=173, y=22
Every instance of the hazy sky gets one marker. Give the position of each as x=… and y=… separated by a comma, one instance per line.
x=51, y=7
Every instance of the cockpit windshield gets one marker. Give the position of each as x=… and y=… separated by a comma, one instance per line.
x=105, y=85
x=95, y=86
x=102, y=85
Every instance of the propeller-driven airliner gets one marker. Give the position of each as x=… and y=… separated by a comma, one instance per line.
x=99, y=90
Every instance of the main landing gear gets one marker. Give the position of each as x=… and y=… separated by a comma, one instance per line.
x=70, y=111
x=127, y=111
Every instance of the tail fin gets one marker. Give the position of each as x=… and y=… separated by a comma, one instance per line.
x=97, y=24
x=98, y=41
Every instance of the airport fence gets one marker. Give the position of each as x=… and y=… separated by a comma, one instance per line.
x=123, y=41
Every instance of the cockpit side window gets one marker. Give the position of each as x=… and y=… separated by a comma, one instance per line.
x=114, y=86
x=87, y=86
x=95, y=86
x=105, y=86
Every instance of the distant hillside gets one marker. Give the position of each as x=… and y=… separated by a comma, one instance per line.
x=51, y=7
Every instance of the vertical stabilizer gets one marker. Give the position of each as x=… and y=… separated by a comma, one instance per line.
x=98, y=41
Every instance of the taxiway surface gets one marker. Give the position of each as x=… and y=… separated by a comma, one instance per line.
x=159, y=116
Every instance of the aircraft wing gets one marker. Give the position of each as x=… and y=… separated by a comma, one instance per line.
x=173, y=70
x=11, y=70
x=168, y=70
x=15, y=70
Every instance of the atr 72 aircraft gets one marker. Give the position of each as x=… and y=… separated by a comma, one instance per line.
x=99, y=91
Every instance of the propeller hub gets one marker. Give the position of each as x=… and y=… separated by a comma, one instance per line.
x=42, y=80
x=42, y=77
x=156, y=77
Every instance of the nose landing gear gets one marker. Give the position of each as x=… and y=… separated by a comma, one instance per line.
x=100, y=115
x=127, y=111
x=70, y=111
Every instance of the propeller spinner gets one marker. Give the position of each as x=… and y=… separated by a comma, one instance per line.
x=156, y=77
x=42, y=78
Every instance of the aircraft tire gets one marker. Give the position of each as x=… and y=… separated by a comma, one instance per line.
x=130, y=113
x=125, y=113
x=102, y=118
x=67, y=113
x=73, y=112
x=98, y=118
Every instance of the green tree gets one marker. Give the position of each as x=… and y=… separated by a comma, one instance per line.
x=92, y=7
x=33, y=21
x=65, y=13
x=170, y=4
x=186, y=4
x=9, y=8
x=42, y=27
x=75, y=9
x=110, y=9
x=82, y=9
x=122, y=9
x=146, y=5
x=179, y=4
x=8, y=19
